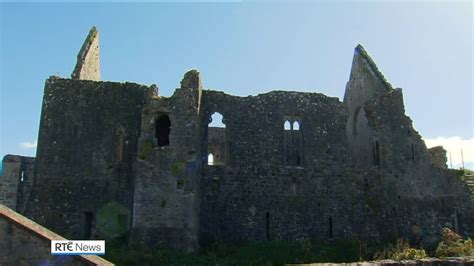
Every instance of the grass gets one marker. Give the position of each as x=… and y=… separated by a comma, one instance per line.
x=261, y=253
x=282, y=252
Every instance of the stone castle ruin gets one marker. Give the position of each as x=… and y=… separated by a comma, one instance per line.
x=117, y=160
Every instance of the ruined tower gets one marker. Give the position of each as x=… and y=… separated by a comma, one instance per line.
x=168, y=169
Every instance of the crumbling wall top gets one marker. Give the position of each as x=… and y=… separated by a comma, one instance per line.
x=363, y=53
x=88, y=61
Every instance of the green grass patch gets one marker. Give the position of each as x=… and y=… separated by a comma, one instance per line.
x=258, y=253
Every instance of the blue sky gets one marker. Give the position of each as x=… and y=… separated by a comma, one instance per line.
x=426, y=48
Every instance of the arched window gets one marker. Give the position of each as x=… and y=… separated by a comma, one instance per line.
x=119, y=143
x=293, y=141
x=216, y=140
x=162, y=131
x=296, y=125
x=210, y=159
x=217, y=120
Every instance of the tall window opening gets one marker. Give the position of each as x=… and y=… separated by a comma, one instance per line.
x=210, y=159
x=376, y=150
x=216, y=140
x=88, y=225
x=293, y=142
x=330, y=228
x=162, y=131
x=22, y=176
x=267, y=225
x=119, y=143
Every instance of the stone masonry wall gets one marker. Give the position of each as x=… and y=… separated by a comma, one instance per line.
x=166, y=203
x=438, y=156
x=88, y=58
x=82, y=186
x=255, y=195
x=23, y=242
x=355, y=169
x=16, y=181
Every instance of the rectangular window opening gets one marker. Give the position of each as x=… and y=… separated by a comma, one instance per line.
x=88, y=216
x=267, y=226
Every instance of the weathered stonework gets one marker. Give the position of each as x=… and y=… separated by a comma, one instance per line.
x=88, y=58
x=438, y=156
x=118, y=160
x=16, y=181
x=23, y=242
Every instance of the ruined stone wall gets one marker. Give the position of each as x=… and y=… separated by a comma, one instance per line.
x=428, y=196
x=366, y=82
x=88, y=59
x=16, y=181
x=438, y=156
x=88, y=140
x=385, y=145
x=115, y=156
x=23, y=242
x=166, y=205
x=362, y=170
x=257, y=195
x=20, y=247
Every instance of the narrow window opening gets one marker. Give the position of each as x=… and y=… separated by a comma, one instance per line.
x=412, y=152
x=162, y=131
x=296, y=125
x=376, y=153
x=210, y=159
x=119, y=144
x=88, y=224
x=267, y=225
x=216, y=140
x=22, y=176
x=292, y=142
x=330, y=228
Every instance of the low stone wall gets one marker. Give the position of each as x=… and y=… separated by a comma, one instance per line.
x=24, y=242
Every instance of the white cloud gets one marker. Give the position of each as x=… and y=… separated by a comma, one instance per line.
x=454, y=145
x=29, y=144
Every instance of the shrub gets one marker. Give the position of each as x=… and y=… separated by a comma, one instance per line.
x=401, y=251
x=453, y=245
